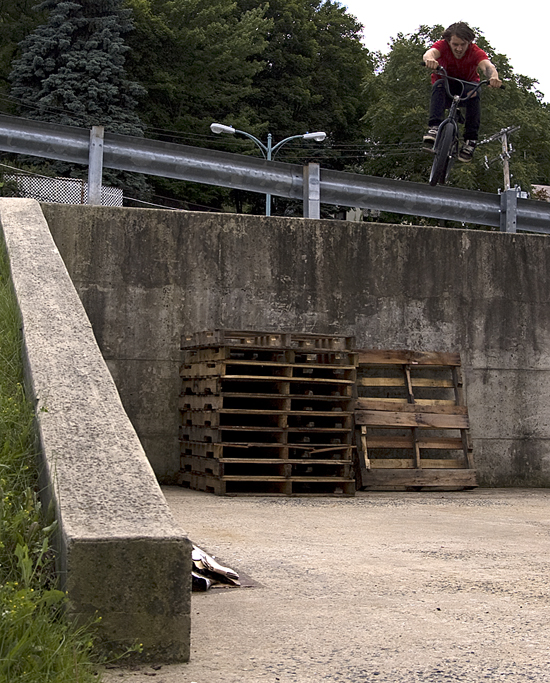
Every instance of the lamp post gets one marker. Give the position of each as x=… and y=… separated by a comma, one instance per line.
x=268, y=150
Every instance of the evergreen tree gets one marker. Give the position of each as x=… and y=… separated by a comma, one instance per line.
x=72, y=71
x=17, y=19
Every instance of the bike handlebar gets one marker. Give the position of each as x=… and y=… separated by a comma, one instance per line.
x=443, y=72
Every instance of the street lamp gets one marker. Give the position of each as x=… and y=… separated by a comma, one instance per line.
x=268, y=150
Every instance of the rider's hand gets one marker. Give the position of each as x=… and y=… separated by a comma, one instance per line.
x=495, y=82
x=431, y=64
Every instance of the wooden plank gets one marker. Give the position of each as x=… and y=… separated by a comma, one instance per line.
x=200, y=482
x=408, y=463
x=244, y=477
x=399, y=382
x=204, y=448
x=326, y=480
x=379, y=418
x=278, y=379
x=286, y=461
x=331, y=448
x=229, y=353
x=385, y=357
x=417, y=402
x=408, y=385
x=381, y=381
x=391, y=463
x=432, y=383
x=375, y=404
x=197, y=465
x=261, y=340
x=379, y=478
x=416, y=448
x=457, y=381
x=442, y=443
x=464, y=436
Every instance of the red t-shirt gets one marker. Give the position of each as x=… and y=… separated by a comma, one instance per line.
x=465, y=68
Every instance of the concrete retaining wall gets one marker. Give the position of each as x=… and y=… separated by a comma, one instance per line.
x=146, y=276
x=121, y=554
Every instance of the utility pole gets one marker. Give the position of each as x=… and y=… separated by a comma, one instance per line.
x=504, y=156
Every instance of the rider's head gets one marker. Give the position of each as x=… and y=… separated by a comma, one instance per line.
x=459, y=36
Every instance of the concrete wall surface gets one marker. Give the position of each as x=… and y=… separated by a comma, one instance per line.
x=147, y=276
x=121, y=554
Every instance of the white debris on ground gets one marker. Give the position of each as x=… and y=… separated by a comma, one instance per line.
x=207, y=572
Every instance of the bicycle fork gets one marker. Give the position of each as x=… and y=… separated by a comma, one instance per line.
x=451, y=119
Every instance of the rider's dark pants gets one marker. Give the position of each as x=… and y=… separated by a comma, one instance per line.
x=441, y=101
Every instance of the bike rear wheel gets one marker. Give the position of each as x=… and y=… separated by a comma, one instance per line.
x=444, y=155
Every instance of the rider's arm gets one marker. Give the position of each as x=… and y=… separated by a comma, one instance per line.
x=490, y=73
x=430, y=58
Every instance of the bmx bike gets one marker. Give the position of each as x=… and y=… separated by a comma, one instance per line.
x=445, y=147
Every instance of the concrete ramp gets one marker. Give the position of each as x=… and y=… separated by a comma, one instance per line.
x=121, y=554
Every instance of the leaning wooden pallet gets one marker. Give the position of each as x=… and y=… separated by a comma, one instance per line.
x=267, y=413
x=412, y=421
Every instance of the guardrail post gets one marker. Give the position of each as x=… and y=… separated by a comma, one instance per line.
x=312, y=191
x=95, y=165
x=508, y=210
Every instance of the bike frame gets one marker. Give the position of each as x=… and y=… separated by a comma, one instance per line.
x=457, y=100
x=444, y=158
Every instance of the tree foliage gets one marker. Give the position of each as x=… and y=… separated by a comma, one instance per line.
x=285, y=67
x=196, y=59
x=17, y=19
x=71, y=71
x=71, y=68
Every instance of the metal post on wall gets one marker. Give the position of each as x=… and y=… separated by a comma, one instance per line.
x=95, y=165
x=312, y=191
x=508, y=210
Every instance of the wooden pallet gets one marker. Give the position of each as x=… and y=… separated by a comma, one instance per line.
x=412, y=422
x=279, y=340
x=267, y=414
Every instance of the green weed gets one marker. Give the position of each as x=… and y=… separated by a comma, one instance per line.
x=37, y=643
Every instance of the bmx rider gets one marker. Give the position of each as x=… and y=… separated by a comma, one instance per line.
x=462, y=58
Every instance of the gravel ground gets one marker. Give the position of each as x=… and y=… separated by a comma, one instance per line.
x=383, y=587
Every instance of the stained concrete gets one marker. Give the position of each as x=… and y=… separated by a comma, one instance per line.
x=385, y=587
x=147, y=276
x=120, y=553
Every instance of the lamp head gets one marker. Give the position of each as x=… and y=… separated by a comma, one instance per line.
x=220, y=128
x=318, y=137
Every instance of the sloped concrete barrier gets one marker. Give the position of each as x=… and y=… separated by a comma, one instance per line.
x=121, y=554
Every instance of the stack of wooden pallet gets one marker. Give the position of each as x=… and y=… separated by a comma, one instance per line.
x=267, y=413
x=412, y=421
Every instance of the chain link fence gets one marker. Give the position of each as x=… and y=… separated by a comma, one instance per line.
x=60, y=190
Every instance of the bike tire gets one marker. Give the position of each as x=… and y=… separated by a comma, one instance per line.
x=443, y=160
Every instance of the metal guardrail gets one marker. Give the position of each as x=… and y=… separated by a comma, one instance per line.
x=311, y=184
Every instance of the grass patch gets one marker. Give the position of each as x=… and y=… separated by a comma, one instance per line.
x=37, y=643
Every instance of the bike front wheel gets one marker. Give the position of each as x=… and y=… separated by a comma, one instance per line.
x=444, y=155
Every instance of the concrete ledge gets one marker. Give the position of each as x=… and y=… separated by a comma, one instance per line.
x=121, y=553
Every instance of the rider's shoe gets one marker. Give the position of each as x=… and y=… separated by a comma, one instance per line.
x=429, y=138
x=467, y=151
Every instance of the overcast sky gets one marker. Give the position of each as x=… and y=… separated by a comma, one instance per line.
x=518, y=30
